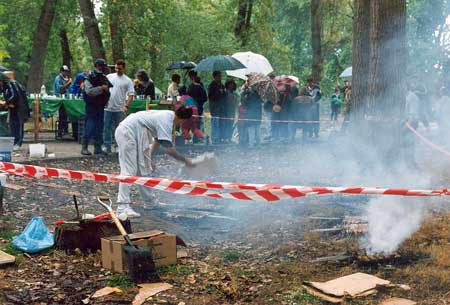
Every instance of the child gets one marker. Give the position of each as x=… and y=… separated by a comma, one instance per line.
x=335, y=104
x=191, y=125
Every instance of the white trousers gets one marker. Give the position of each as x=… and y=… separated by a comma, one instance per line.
x=134, y=157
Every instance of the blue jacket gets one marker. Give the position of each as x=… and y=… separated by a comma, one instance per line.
x=75, y=87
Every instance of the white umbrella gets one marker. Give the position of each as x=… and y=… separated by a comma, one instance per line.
x=347, y=72
x=255, y=63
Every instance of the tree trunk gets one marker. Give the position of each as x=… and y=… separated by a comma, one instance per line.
x=116, y=33
x=40, y=42
x=361, y=58
x=91, y=29
x=65, y=47
x=388, y=58
x=243, y=22
x=316, y=43
x=386, y=90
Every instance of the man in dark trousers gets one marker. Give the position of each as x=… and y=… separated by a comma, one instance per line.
x=96, y=96
x=216, y=96
x=18, y=108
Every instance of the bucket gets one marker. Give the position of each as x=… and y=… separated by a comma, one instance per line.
x=37, y=150
x=6, y=148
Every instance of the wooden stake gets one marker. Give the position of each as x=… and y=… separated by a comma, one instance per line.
x=147, y=103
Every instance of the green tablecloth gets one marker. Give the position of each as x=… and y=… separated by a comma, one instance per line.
x=75, y=108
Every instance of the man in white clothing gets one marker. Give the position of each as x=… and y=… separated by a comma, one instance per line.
x=122, y=94
x=138, y=138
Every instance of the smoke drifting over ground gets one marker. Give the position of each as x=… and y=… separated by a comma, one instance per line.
x=391, y=221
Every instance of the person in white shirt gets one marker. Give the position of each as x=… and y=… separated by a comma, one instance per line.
x=122, y=94
x=172, y=91
x=138, y=138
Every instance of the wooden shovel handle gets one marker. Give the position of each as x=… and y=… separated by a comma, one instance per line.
x=118, y=224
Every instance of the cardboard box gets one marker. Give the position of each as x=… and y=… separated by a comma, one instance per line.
x=163, y=245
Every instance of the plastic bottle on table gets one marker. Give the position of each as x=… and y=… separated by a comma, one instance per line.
x=43, y=90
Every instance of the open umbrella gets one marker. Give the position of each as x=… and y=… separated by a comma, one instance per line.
x=347, y=72
x=255, y=63
x=285, y=80
x=264, y=86
x=4, y=78
x=182, y=65
x=219, y=63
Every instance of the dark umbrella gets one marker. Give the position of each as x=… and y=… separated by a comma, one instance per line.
x=219, y=63
x=3, y=69
x=4, y=78
x=182, y=65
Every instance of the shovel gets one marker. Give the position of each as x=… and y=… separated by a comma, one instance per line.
x=141, y=267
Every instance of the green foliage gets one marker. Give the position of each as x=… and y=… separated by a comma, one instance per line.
x=157, y=33
x=230, y=256
x=8, y=247
x=119, y=280
x=302, y=297
x=176, y=269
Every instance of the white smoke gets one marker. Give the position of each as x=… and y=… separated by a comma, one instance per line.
x=391, y=221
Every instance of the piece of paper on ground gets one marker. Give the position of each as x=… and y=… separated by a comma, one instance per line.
x=354, y=285
x=148, y=290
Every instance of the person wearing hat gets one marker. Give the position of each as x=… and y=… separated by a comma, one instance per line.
x=96, y=96
x=60, y=87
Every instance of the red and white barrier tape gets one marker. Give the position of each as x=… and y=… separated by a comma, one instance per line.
x=247, y=191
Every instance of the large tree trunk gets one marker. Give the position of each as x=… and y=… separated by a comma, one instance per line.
x=388, y=58
x=65, y=47
x=316, y=37
x=91, y=29
x=243, y=22
x=361, y=58
x=388, y=62
x=40, y=42
x=115, y=32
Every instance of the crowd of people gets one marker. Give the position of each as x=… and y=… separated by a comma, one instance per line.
x=236, y=111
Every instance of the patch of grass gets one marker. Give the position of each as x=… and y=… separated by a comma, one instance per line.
x=175, y=269
x=8, y=247
x=7, y=234
x=120, y=280
x=302, y=297
x=230, y=256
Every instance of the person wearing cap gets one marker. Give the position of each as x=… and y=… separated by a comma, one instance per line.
x=96, y=96
x=138, y=138
x=60, y=87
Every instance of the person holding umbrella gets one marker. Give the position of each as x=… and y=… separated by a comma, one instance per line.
x=216, y=96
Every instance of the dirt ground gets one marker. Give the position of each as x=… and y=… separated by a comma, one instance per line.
x=239, y=252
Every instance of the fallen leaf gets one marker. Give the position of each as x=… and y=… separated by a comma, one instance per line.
x=105, y=291
x=148, y=290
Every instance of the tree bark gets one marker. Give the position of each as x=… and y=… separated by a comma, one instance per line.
x=386, y=90
x=361, y=58
x=316, y=39
x=91, y=29
x=65, y=48
x=116, y=33
x=40, y=43
x=243, y=22
x=388, y=59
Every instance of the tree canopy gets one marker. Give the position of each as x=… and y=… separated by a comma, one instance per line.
x=156, y=33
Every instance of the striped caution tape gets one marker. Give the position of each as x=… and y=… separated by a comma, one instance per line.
x=224, y=190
